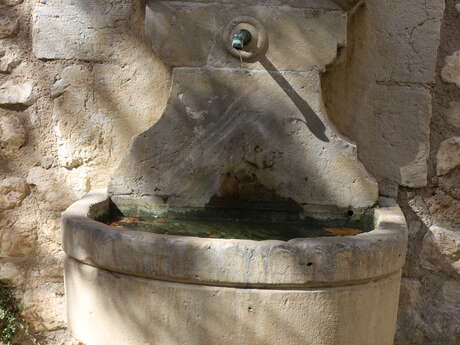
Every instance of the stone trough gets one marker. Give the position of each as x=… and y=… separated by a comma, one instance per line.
x=138, y=288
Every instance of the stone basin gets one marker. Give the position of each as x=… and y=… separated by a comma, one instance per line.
x=138, y=288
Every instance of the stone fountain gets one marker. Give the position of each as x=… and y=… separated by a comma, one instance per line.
x=245, y=137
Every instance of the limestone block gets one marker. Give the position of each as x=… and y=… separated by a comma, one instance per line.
x=448, y=156
x=397, y=154
x=8, y=60
x=12, y=191
x=59, y=187
x=12, y=93
x=8, y=26
x=451, y=71
x=257, y=126
x=402, y=38
x=88, y=30
x=96, y=113
x=441, y=251
x=12, y=135
x=453, y=114
x=314, y=34
x=373, y=91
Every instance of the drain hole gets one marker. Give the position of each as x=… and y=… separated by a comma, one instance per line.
x=310, y=263
x=350, y=213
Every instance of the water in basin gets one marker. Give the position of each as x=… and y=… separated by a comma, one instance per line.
x=237, y=228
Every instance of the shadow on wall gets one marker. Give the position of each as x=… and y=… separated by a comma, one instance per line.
x=312, y=121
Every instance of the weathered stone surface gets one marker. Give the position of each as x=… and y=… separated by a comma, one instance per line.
x=96, y=113
x=400, y=39
x=59, y=187
x=13, y=93
x=8, y=60
x=90, y=30
x=443, y=208
x=393, y=43
x=12, y=191
x=314, y=34
x=223, y=126
x=12, y=135
x=441, y=251
x=392, y=153
x=8, y=26
x=448, y=156
x=453, y=114
x=451, y=70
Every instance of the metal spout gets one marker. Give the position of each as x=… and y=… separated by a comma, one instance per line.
x=241, y=39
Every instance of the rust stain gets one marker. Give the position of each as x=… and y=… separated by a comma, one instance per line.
x=343, y=231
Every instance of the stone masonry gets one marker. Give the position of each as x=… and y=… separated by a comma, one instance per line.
x=79, y=79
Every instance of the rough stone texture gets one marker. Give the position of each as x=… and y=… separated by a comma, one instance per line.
x=453, y=114
x=448, y=156
x=8, y=60
x=222, y=123
x=451, y=71
x=314, y=34
x=96, y=113
x=13, y=93
x=379, y=83
x=91, y=30
x=8, y=27
x=441, y=251
x=12, y=135
x=13, y=190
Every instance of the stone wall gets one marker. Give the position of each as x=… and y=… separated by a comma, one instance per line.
x=78, y=81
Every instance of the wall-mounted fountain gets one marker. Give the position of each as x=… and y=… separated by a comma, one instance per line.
x=219, y=220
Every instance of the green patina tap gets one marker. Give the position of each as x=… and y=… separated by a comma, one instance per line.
x=241, y=39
